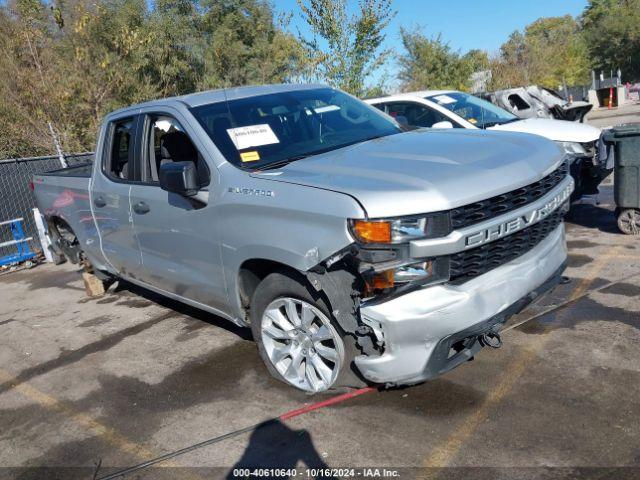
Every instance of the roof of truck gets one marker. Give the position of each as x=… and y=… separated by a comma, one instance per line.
x=222, y=94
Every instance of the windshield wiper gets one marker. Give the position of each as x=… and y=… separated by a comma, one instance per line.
x=279, y=163
x=499, y=122
x=286, y=161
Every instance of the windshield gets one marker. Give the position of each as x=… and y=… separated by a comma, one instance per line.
x=262, y=131
x=474, y=110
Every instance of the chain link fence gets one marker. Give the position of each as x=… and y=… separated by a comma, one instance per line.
x=17, y=199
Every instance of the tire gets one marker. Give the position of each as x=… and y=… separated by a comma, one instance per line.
x=66, y=241
x=58, y=257
x=284, y=300
x=629, y=221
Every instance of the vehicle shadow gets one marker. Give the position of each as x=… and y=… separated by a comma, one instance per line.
x=593, y=216
x=121, y=286
x=273, y=445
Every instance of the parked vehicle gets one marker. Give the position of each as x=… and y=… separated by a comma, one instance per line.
x=356, y=252
x=538, y=102
x=451, y=109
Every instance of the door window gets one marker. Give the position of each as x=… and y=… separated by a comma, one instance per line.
x=416, y=115
x=119, y=160
x=168, y=142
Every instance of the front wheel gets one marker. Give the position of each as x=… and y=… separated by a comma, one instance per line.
x=296, y=337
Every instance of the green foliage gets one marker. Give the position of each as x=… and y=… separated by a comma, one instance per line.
x=611, y=30
x=345, y=49
x=245, y=44
x=72, y=62
x=549, y=52
x=66, y=63
x=430, y=63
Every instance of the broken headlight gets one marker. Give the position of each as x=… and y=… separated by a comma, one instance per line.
x=385, y=262
x=405, y=275
x=572, y=148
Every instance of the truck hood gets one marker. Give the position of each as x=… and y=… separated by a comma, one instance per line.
x=557, y=130
x=425, y=170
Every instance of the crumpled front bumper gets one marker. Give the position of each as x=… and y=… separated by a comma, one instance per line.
x=420, y=327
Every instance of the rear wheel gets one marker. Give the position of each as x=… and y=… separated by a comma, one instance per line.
x=629, y=221
x=296, y=336
x=65, y=240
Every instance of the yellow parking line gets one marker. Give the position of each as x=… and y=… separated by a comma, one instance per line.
x=446, y=452
x=82, y=419
x=86, y=421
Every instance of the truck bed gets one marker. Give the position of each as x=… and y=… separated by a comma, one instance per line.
x=82, y=170
x=64, y=194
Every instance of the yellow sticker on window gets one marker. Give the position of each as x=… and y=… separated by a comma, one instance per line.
x=251, y=156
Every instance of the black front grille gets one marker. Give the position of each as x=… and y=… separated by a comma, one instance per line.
x=494, y=206
x=477, y=261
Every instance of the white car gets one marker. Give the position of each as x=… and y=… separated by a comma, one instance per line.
x=452, y=109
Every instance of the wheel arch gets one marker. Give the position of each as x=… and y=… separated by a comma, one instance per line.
x=250, y=273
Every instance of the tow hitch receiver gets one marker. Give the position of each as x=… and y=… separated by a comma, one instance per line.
x=490, y=339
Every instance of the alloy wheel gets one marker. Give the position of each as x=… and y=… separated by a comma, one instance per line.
x=301, y=344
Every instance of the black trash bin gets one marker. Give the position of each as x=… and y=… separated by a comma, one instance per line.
x=626, y=176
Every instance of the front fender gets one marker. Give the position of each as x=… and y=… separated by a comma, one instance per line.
x=296, y=226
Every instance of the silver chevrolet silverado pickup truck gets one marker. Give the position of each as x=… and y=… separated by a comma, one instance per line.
x=355, y=251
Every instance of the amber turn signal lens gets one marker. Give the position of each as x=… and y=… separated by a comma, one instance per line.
x=372, y=232
x=383, y=280
x=379, y=281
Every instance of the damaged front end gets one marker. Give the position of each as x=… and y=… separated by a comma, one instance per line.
x=538, y=102
x=423, y=294
x=377, y=268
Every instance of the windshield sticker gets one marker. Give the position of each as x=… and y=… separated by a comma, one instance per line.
x=444, y=99
x=328, y=108
x=252, y=136
x=251, y=156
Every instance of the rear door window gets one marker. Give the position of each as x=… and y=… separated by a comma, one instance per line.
x=119, y=158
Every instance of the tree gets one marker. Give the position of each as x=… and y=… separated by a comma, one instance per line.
x=551, y=51
x=611, y=30
x=430, y=63
x=70, y=62
x=102, y=58
x=29, y=70
x=246, y=45
x=172, y=58
x=345, y=49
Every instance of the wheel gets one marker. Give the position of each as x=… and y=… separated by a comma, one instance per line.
x=66, y=240
x=57, y=257
x=629, y=221
x=296, y=336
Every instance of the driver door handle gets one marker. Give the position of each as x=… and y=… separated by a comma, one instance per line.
x=141, y=208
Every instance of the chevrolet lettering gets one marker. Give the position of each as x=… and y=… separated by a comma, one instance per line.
x=519, y=222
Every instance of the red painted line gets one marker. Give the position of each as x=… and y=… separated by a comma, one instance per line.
x=226, y=436
x=325, y=403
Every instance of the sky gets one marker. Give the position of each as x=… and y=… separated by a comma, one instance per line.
x=465, y=24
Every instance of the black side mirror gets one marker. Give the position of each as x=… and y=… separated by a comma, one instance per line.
x=180, y=178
